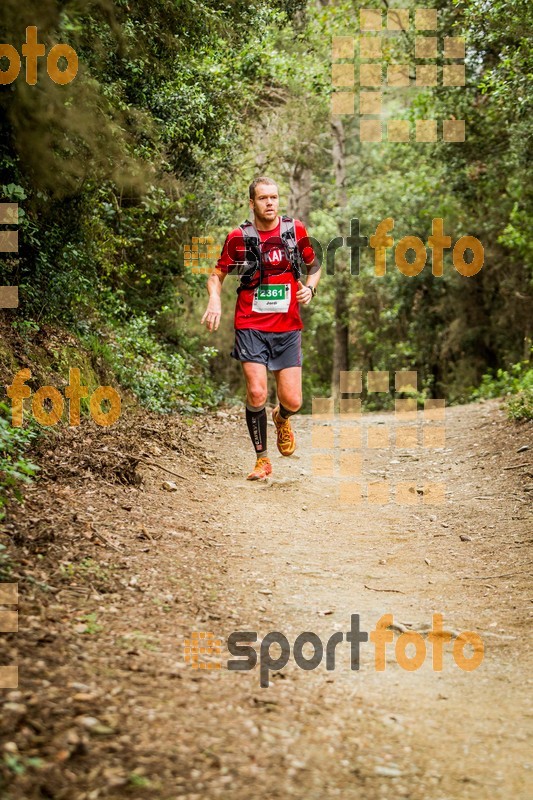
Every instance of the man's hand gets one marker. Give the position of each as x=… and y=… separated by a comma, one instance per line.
x=304, y=294
x=212, y=314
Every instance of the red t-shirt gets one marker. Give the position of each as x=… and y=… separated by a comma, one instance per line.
x=276, y=270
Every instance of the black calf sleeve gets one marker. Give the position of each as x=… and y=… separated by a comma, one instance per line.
x=256, y=419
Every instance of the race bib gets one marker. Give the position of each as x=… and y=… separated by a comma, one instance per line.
x=273, y=298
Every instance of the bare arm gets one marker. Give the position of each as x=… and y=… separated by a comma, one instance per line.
x=314, y=272
x=303, y=295
x=214, y=307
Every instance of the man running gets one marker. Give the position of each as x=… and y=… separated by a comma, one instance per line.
x=269, y=255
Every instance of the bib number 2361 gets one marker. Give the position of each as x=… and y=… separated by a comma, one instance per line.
x=274, y=298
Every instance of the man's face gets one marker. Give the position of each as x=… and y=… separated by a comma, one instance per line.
x=266, y=203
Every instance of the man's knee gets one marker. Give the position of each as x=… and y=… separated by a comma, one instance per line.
x=292, y=401
x=257, y=395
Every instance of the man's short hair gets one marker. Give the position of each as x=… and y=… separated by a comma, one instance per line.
x=256, y=182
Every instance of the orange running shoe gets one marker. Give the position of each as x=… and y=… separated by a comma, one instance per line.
x=262, y=469
x=286, y=440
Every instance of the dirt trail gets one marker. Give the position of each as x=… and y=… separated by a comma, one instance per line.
x=222, y=555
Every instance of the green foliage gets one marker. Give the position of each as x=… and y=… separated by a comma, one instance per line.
x=504, y=382
x=119, y=169
x=162, y=380
x=520, y=407
x=5, y=564
x=515, y=384
x=87, y=567
x=91, y=623
x=19, y=764
x=15, y=468
x=172, y=114
x=139, y=781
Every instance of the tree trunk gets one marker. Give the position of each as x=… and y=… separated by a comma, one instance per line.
x=341, y=276
x=299, y=204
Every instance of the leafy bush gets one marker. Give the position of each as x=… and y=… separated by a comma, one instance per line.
x=520, y=407
x=14, y=467
x=162, y=379
x=516, y=384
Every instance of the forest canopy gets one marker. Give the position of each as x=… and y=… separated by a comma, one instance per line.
x=178, y=104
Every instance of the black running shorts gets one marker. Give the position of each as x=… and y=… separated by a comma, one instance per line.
x=274, y=350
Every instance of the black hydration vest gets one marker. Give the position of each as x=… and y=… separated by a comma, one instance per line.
x=251, y=269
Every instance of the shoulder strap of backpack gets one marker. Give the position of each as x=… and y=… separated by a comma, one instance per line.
x=252, y=259
x=288, y=236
